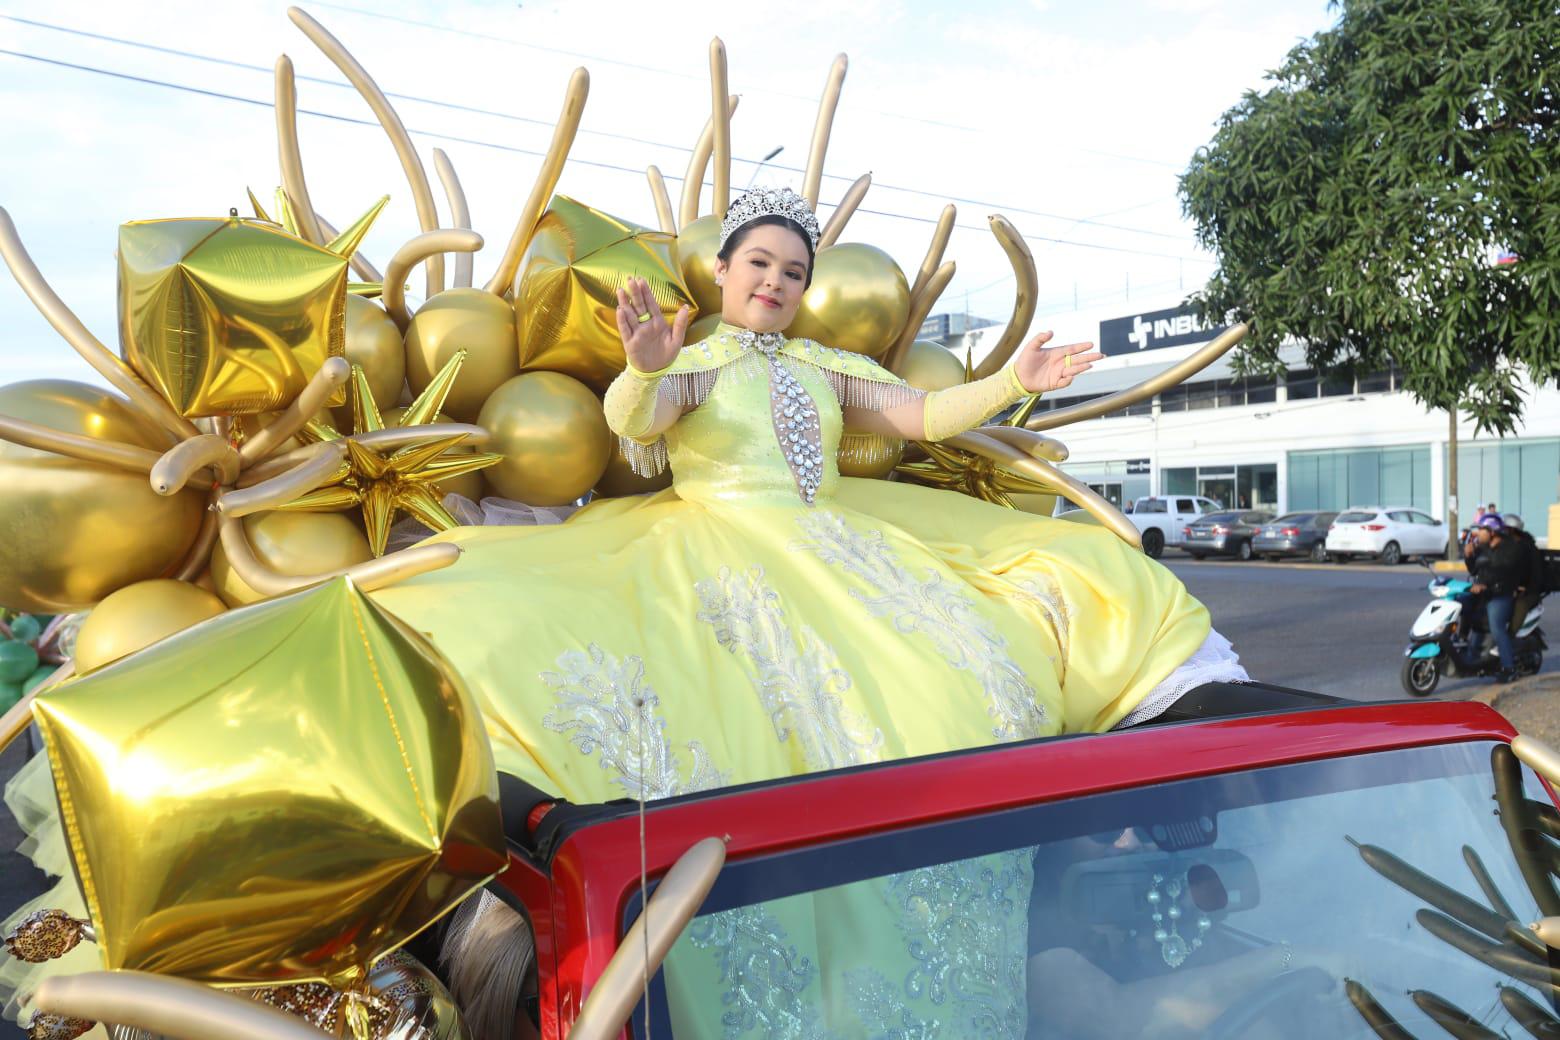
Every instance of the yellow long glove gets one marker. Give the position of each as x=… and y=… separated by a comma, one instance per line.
x=630, y=401
x=960, y=408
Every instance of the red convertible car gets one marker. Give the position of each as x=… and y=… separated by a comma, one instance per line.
x=1311, y=869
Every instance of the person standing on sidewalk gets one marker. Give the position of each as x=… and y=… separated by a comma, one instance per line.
x=1500, y=573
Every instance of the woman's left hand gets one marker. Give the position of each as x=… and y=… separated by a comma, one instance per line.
x=1043, y=369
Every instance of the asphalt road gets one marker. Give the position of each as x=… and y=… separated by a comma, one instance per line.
x=1333, y=629
x=1338, y=629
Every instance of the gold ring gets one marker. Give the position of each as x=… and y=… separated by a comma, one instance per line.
x=644, y=317
x=1066, y=360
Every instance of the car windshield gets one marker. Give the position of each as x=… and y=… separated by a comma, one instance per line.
x=1284, y=902
x=1294, y=519
x=1356, y=516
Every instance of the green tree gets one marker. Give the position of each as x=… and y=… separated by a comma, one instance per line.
x=1358, y=203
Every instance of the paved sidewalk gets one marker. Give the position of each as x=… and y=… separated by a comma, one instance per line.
x=1532, y=704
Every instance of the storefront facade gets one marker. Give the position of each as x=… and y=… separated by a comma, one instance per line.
x=1297, y=442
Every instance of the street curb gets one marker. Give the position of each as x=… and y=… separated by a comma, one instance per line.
x=1531, y=704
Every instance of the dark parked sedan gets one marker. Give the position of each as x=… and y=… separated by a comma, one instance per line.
x=1224, y=534
x=1295, y=534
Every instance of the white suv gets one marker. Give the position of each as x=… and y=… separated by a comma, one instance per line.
x=1387, y=533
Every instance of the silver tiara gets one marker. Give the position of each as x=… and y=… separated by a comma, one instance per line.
x=765, y=202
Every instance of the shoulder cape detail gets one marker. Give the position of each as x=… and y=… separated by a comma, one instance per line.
x=857, y=380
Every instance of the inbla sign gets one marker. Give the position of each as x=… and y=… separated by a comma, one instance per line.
x=1153, y=331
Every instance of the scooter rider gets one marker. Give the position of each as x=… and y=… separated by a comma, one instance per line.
x=1499, y=574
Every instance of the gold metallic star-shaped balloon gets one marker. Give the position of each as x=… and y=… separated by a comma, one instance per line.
x=385, y=483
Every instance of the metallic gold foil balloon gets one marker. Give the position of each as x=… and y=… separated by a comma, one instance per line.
x=553, y=436
x=462, y=319
x=228, y=316
x=620, y=480
x=71, y=532
x=468, y=485
x=697, y=245
x=292, y=543
x=374, y=345
x=139, y=615
x=870, y=455
x=931, y=366
x=858, y=300
x=284, y=793
x=702, y=328
x=566, y=302
x=1040, y=505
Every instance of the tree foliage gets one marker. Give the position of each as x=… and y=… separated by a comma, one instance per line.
x=1358, y=204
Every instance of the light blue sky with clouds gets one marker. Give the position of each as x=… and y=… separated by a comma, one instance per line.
x=1071, y=118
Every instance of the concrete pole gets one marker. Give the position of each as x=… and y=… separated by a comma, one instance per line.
x=1454, y=546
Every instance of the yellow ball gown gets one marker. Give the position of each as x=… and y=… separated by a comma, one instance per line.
x=769, y=637
x=725, y=631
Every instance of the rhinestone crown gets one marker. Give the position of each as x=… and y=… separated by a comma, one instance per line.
x=764, y=202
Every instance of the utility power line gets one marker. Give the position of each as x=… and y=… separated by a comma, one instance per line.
x=532, y=120
x=220, y=95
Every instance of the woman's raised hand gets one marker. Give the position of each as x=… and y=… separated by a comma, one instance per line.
x=650, y=343
x=1041, y=369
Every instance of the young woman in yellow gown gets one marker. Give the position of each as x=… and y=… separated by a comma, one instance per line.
x=773, y=617
x=766, y=617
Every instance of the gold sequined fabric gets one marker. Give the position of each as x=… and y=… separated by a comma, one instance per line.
x=44, y=935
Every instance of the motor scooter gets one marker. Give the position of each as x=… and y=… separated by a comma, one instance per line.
x=1438, y=639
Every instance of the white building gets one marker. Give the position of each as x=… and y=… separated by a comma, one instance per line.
x=1290, y=444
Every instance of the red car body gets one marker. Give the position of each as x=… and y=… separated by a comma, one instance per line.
x=578, y=897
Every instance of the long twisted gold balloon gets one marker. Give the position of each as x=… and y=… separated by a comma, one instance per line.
x=844, y=211
x=460, y=213
x=568, y=125
x=721, y=123
x=1026, y=294
x=698, y=162
x=296, y=187
x=411, y=163
x=663, y=201
x=813, y=179
x=424, y=246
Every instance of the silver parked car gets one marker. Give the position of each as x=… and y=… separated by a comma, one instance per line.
x=1295, y=534
x=1224, y=534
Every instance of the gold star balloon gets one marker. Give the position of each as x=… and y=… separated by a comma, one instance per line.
x=386, y=483
x=567, y=293
x=283, y=793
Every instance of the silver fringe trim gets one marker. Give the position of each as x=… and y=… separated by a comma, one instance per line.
x=869, y=449
x=646, y=460
x=689, y=389
x=872, y=394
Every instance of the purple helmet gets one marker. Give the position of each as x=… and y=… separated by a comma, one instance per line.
x=1493, y=522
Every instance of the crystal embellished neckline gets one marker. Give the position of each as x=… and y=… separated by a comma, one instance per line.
x=792, y=410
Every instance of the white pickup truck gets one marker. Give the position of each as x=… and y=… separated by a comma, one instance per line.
x=1162, y=519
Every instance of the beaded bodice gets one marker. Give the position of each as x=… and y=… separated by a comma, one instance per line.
x=767, y=415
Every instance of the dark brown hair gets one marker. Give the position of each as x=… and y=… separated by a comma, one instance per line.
x=778, y=221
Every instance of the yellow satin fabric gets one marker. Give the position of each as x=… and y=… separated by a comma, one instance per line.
x=768, y=638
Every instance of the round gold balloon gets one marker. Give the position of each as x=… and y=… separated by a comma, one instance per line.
x=553, y=436
x=463, y=319
x=1040, y=505
x=293, y=544
x=619, y=479
x=702, y=328
x=697, y=245
x=374, y=345
x=858, y=300
x=71, y=532
x=931, y=366
x=869, y=455
x=139, y=615
x=566, y=300
x=283, y=793
x=468, y=485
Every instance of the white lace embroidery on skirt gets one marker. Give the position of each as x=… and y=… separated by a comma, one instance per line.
x=1214, y=661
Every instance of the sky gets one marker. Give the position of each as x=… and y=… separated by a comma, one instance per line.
x=1072, y=118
